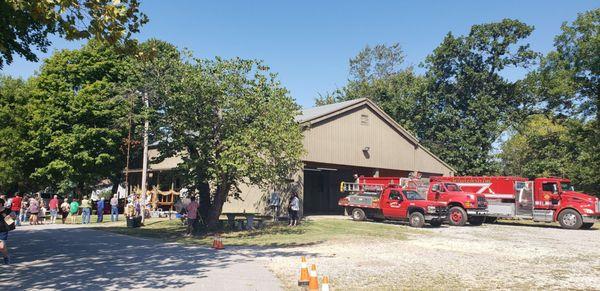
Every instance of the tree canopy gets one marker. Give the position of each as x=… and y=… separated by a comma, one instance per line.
x=25, y=25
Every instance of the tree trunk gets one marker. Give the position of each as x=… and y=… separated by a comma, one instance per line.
x=217, y=207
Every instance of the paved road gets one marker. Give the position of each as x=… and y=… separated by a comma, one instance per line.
x=73, y=257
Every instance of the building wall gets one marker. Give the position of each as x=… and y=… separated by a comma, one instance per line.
x=341, y=140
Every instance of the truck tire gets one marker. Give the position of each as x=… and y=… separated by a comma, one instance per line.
x=457, y=216
x=358, y=214
x=435, y=222
x=476, y=220
x=416, y=219
x=587, y=225
x=570, y=219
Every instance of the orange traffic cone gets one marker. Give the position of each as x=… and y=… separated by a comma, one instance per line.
x=325, y=284
x=313, y=281
x=303, y=281
x=220, y=245
x=214, y=245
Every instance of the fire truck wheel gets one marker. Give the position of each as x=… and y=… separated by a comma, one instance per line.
x=476, y=220
x=436, y=223
x=570, y=219
x=358, y=214
x=417, y=219
x=457, y=216
x=587, y=225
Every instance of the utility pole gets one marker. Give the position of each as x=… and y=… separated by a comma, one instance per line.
x=128, y=146
x=145, y=158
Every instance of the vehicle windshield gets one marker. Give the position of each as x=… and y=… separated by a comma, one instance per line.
x=567, y=186
x=412, y=195
x=452, y=187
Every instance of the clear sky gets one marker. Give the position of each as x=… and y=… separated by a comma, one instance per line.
x=309, y=43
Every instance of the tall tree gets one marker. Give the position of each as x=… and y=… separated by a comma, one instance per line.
x=468, y=103
x=235, y=124
x=568, y=79
x=14, y=166
x=25, y=25
x=77, y=117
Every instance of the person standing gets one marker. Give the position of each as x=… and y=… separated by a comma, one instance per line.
x=74, y=208
x=53, y=205
x=114, y=208
x=15, y=207
x=100, y=210
x=42, y=216
x=275, y=203
x=7, y=224
x=24, y=207
x=34, y=210
x=86, y=210
x=64, y=208
x=294, y=207
x=192, y=215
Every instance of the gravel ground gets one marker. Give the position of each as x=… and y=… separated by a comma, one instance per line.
x=492, y=256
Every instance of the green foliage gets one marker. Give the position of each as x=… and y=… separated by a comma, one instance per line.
x=13, y=136
x=567, y=80
x=236, y=124
x=25, y=25
x=76, y=118
x=542, y=147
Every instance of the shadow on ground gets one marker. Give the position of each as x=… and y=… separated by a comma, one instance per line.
x=83, y=258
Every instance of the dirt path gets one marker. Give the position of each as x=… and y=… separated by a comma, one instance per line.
x=491, y=256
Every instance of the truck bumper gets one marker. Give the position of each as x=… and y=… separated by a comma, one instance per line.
x=477, y=212
x=590, y=218
x=429, y=217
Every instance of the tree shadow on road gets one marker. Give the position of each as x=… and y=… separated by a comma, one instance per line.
x=82, y=258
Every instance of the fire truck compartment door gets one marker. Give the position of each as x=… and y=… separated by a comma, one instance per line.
x=524, y=198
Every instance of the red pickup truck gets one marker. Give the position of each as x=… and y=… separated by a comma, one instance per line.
x=379, y=201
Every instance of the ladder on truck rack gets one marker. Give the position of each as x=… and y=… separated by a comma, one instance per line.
x=362, y=188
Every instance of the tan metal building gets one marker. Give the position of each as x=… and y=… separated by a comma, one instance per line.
x=341, y=139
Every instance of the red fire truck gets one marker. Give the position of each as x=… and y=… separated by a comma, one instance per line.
x=380, y=199
x=464, y=205
x=543, y=199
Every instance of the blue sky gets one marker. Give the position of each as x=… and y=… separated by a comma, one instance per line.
x=309, y=43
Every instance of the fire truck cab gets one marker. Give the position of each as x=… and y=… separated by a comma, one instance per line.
x=541, y=199
x=463, y=205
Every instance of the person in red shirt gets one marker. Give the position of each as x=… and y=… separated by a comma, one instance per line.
x=15, y=207
x=53, y=205
x=192, y=215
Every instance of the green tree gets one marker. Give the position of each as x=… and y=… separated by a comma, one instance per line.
x=25, y=25
x=543, y=147
x=235, y=124
x=14, y=94
x=468, y=103
x=77, y=118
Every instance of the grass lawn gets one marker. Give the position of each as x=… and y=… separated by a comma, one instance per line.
x=278, y=235
x=93, y=219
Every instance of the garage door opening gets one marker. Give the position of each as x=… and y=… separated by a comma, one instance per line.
x=322, y=186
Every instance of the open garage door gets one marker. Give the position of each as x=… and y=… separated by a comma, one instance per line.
x=322, y=187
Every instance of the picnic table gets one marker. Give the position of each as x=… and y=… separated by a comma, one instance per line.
x=249, y=216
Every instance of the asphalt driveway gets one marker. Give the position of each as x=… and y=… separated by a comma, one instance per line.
x=74, y=257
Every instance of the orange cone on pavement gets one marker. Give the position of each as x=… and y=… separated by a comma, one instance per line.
x=313, y=281
x=325, y=284
x=304, y=278
x=218, y=243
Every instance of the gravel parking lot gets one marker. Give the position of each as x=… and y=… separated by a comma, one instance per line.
x=506, y=256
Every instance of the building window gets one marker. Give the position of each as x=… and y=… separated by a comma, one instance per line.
x=364, y=119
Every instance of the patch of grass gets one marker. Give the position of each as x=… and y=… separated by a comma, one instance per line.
x=278, y=235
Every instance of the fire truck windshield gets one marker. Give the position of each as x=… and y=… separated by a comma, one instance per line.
x=412, y=195
x=452, y=187
x=567, y=186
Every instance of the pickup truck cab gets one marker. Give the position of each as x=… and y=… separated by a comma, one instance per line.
x=392, y=202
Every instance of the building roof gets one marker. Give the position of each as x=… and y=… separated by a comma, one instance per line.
x=321, y=113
